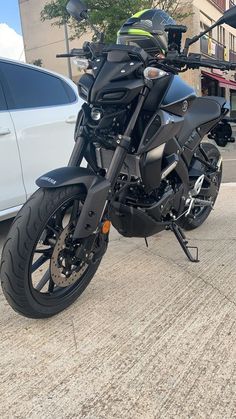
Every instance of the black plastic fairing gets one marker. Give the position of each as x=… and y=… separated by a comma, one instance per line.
x=178, y=91
x=151, y=166
x=133, y=222
x=162, y=127
x=179, y=97
x=66, y=176
x=116, y=83
x=157, y=93
x=85, y=85
x=203, y=111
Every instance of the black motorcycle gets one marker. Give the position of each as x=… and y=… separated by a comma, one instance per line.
x=140, y=131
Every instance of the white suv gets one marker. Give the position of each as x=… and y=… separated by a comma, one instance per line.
x=38, y=111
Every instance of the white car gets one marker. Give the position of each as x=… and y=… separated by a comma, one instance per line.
x=38, y=111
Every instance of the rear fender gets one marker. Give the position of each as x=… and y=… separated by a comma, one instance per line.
x=96, y=187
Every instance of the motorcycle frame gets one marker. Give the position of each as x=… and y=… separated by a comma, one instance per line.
x=98, y=188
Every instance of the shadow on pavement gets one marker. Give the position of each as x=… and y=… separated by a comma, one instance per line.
x=4, y=229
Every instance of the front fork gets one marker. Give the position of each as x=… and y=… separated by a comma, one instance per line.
x=98, y=194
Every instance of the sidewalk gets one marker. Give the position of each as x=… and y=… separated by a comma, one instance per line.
x=154, y=336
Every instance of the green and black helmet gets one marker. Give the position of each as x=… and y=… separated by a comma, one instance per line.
x=146, y=29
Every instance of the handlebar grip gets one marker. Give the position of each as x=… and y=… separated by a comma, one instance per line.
x=75, y=52
x=78, y=52
x=63, y=55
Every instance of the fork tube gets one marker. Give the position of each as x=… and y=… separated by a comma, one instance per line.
x=132, y=122
x=78, y=152
x=121, y=150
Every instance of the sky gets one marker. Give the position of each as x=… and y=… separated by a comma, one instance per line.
x=11, y=41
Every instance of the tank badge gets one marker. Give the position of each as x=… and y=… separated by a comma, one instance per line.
x=185, y=106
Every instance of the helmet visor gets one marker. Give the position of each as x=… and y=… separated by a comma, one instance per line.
x=149, y=44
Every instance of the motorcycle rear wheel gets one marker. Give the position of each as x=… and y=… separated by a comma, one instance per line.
x=195, y=220
x=41, y=274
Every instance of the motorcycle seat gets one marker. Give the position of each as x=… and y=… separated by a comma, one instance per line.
x=202, y=110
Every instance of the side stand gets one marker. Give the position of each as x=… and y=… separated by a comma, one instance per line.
x=180, y=236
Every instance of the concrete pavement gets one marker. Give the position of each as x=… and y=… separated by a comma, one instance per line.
x=229, y=161
x=153, y=336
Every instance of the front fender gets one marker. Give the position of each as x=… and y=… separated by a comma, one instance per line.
x=66, y=176
x=97, y=189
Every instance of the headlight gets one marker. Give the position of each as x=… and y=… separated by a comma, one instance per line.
x=96, y=114
x=81, y=63
x=152, y=73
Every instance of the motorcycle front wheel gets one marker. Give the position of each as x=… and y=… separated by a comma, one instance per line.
x=43, y=270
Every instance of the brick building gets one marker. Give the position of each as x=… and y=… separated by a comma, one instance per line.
x=43, y=41
x=219, y=44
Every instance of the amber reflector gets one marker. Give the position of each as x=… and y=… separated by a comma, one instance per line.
x=106, y=227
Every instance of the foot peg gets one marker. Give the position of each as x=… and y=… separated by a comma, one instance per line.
x=180, y=236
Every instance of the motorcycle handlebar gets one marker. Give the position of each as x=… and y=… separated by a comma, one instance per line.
x=76, y=52
x=195, y=61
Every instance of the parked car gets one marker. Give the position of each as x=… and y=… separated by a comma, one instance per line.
x=38, y=111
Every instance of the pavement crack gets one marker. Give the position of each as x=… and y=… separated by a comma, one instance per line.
x=74, y=335
x=216, y=289
x=195, y=277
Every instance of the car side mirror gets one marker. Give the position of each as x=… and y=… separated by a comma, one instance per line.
x=77, y=9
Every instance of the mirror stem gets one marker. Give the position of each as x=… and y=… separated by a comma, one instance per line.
x=190, y=41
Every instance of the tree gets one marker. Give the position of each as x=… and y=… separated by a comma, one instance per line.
x=109, y=15
x=38, y=62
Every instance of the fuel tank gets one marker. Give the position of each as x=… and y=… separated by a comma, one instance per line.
x=179, y=97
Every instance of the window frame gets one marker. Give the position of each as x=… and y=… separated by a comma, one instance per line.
x=232, y=42
x=2, y=93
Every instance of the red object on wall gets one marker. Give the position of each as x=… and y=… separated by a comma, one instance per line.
x=222, y=81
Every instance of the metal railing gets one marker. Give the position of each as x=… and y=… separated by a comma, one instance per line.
x=212, y=48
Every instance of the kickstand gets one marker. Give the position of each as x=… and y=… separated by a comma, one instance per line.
x=180, y=236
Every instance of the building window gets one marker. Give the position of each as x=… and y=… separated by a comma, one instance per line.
x=221, y=35
x=211, y=87
x=232, y=42
x=215, y=48
x=205, y=27
x=232, y=48
x=221, y=4
x=233, y=103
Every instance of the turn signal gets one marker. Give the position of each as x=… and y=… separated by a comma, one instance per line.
x=152, y=73
x=81, y=63
x=106, y=227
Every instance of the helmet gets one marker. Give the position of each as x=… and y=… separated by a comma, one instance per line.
x=146, y=29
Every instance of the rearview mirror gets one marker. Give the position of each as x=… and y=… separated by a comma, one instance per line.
x=229, y=17
x=77, y=9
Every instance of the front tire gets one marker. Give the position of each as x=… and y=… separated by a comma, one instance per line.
x=42, y=232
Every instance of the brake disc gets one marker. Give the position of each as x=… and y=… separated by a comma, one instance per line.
x=60, y=276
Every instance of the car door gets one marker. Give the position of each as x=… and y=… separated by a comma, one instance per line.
x=12, y=191
x=43, y=108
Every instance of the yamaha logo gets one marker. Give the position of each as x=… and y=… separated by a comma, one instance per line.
x=48, y=179
x=185, y=106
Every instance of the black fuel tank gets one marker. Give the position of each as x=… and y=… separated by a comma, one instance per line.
x=179, y=97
